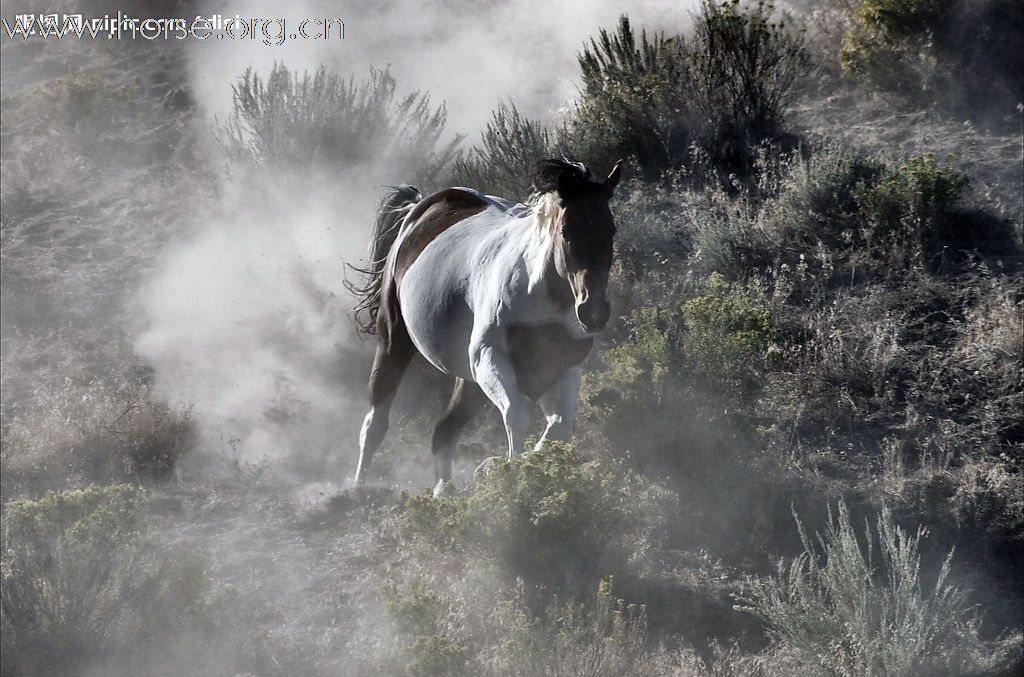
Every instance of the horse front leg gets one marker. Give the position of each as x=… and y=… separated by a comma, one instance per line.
x=559, y=406
x=493, y=372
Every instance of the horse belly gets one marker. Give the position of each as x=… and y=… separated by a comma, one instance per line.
x=437, y=316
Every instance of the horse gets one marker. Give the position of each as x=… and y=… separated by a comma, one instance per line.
x=505, y=298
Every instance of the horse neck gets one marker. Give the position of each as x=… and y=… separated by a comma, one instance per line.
x=541, y=237
x=543, y=274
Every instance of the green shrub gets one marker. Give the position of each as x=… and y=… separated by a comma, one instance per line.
x=717, y=342
x=502, y=164
x=910, y=199
x=960, y=55
x=840, y=609
x=548, y=506
x=547, y=516
x=843, y=218
x=445, y=522
x=436, y=655
x=679, y=396
x=593, y=632
x=82, y=583
x=728, y=336
x=504, y=574
x=325, y=121
x=889, y=45
x=429, y=648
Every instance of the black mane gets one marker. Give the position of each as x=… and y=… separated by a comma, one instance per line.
x=561, y=175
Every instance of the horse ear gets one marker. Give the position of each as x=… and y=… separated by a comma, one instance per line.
x=613, y=178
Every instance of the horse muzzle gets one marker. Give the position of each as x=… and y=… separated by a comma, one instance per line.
x=593, y=315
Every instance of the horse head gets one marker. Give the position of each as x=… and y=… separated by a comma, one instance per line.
x=583, y=231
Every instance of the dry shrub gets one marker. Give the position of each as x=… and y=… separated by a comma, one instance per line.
x=92, y=432
x=666, y=104
x=510, y=145
x=325, y=121
x=670, y=104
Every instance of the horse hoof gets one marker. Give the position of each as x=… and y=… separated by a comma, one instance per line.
x=439, y=488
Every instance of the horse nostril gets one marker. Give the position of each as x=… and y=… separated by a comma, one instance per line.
x=594, y=315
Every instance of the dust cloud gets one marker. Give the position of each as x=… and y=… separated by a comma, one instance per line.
x=471, y=55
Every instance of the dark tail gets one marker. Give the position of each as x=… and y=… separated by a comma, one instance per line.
x=393, y=208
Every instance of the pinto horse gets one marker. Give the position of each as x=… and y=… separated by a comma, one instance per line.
x=506, y=298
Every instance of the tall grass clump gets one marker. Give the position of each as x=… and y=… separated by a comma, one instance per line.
x=83, y=584
x=84, y=116
x=652, y=231
x=859, y=605
x=325, y=121
x=728, y=238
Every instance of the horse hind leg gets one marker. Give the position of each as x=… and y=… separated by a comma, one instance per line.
x=394, y=352
x=466, y=400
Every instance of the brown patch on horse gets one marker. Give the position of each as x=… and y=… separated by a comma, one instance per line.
x=541, y=354
x=431, y=217
x=557, y=287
